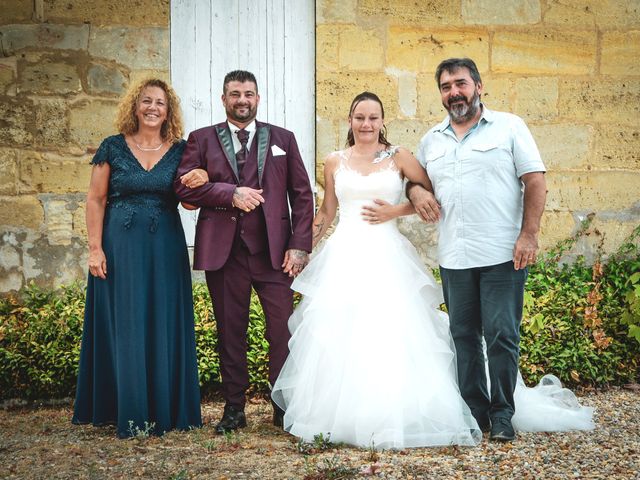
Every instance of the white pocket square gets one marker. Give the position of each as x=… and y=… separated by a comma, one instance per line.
x=276, y=150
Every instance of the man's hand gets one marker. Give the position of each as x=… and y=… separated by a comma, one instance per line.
x=247, y=199
x=195, y=178
x=294, y=262
x=425, y=203
x=525, y=250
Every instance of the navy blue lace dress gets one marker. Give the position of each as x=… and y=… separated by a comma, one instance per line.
x=138, y=367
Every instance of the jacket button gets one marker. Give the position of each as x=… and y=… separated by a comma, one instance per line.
x=233, y=219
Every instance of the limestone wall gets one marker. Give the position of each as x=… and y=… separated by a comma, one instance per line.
x=570, y=68
x=63, y=66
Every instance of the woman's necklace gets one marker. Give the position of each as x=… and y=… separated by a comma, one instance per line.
x=143, y=149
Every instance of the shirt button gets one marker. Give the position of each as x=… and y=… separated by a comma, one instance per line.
x=242, y=214
x=241, y=231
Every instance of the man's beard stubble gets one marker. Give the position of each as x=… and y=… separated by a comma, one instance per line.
x=246, y=117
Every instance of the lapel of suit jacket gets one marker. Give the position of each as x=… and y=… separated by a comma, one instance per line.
x=263, y=132
x=224, y=135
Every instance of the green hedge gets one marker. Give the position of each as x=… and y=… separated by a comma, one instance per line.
x=41, y=330
x=582, y=323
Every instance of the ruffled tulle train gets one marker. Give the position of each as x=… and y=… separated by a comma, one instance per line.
x=548, y=407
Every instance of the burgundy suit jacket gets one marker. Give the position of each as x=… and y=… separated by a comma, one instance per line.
x=282, y=177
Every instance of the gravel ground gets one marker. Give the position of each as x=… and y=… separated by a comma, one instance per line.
x=40, y=442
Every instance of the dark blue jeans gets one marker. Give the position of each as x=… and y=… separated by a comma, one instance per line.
x=486, y=301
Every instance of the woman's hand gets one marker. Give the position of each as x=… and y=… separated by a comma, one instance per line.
x=188, y=206
x=379, y=213
x=195, y=178
x=384, y=211
x=98, y=263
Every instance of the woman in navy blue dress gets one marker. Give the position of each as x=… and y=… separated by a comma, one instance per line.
x=138, y=367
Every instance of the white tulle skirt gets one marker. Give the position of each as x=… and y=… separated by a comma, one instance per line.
x=371, y=358
x=372, y=362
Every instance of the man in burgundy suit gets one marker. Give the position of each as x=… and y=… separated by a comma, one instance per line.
x=246, y=235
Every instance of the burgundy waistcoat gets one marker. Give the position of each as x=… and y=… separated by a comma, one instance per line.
x=251, y=228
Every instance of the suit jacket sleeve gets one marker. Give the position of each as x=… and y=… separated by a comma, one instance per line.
x=211, y=194
x=300, y=199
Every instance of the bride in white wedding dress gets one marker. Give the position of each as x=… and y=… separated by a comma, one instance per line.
x=371, y=361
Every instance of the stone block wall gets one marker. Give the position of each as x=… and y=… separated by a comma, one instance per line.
x=63, y=66
x=570, y=68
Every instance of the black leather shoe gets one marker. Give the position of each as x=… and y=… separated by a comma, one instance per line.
x=484, y=422
x=233, y=418
x=502, y=430
x=278, y=416
x=485, y=427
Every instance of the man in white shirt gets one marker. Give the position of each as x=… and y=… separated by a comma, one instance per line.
x=489, y=192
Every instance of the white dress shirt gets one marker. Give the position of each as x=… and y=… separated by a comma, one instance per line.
x=251, y=128
x=477, y=182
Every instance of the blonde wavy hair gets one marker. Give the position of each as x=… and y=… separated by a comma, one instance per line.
x=127, y=122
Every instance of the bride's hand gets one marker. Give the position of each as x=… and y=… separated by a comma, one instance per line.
x=195, y=178
x=380, y=212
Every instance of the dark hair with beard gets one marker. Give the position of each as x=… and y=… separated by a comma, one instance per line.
x=383, y=131
x=238, y=76
x=452, y=65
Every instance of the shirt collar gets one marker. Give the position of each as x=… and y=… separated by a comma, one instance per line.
x=249, y=128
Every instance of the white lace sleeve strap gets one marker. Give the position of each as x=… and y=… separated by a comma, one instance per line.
x=342, y=156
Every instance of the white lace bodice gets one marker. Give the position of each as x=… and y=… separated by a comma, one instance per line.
x=354, y=189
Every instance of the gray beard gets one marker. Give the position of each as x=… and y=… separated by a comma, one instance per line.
x=465, y=111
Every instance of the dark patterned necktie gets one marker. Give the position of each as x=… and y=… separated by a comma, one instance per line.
x=241, y=155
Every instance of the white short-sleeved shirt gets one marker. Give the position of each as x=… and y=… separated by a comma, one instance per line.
x=477, y=182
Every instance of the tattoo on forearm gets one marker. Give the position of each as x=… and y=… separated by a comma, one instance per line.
x=318, y=227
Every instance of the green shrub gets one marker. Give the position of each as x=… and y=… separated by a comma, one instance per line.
x=206, y=336
x=41, y=331
x=581, y=323
x=40, y=342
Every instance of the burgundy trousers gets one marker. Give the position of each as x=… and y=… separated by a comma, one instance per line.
x=230, y=290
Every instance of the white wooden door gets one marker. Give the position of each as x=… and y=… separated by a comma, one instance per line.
x=274, y=39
